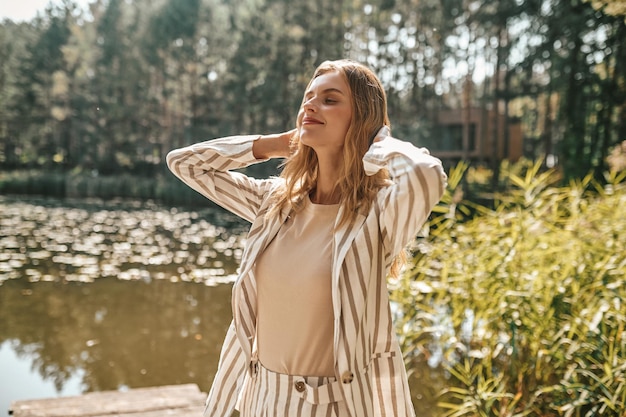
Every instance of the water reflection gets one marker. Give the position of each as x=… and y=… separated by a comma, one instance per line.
x=87, y=289
x=117, y=334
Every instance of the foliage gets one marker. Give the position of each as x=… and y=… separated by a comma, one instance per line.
x=113, y=87
x=611, y=7
x=520, y=307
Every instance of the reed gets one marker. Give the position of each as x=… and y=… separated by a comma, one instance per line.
x=519, y=308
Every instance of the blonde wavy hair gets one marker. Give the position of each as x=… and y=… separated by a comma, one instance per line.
x=356, y=189
x=369, y=114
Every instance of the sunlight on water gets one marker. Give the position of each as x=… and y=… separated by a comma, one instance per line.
x=45, y=241
x=99, y=296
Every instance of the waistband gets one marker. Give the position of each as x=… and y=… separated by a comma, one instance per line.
x=313, y=389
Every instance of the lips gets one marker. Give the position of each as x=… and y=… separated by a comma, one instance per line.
x=307, y=120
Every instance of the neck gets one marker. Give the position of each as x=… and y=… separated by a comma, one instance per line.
x=325, y=198
x=326, y=190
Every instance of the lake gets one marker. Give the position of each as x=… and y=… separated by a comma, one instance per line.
x=111, y=295
x=116, y=295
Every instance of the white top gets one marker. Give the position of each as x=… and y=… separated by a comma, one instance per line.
x=295, y=310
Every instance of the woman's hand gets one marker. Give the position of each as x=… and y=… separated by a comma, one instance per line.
x=273, y=146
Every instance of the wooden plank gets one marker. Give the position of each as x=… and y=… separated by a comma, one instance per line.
x=178, y=412
x=140, y=402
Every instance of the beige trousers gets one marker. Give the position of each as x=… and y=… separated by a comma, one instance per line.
x=270, y=394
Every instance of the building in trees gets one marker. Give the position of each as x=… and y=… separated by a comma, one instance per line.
x=474, y=134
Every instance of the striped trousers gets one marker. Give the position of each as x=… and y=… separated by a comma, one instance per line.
x=269, y=394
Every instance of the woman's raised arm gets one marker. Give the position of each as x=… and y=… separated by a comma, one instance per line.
x=273, y=146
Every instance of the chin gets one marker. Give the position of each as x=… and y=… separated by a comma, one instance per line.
x=306, y=138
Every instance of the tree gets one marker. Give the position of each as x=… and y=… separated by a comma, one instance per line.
x=113, y=88
x=40, y=114
x=581, y=59
x=119, y=86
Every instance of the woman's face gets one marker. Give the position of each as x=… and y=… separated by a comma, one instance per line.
x=326, y=112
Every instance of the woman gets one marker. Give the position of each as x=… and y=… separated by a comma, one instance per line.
x=312, y=333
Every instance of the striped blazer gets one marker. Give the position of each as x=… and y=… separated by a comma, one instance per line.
x=368, y=360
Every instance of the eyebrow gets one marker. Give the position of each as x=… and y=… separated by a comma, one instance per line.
x=326, y=91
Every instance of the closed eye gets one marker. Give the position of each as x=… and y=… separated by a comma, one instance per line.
x=327, y=92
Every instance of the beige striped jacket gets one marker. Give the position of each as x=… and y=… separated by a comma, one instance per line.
x=367, y=355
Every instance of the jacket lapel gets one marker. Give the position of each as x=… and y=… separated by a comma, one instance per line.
x=344, y=235
x=244, y=296
x=257, y=242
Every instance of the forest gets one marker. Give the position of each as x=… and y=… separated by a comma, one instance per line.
x=109, y=89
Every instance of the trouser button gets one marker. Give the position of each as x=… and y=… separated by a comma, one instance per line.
x=347, y=377
x=299, y=386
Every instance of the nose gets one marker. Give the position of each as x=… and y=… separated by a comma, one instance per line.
x=309, y=105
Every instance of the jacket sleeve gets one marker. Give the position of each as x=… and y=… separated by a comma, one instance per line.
x=206, y=166
x=418, y=182
x=229, y=378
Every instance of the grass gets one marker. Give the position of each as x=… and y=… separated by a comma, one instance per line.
x=520, y=307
